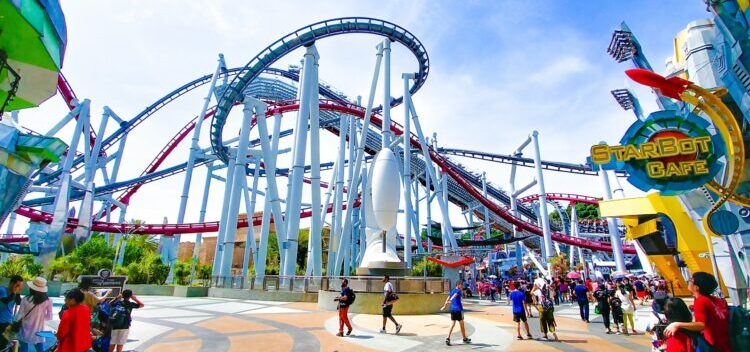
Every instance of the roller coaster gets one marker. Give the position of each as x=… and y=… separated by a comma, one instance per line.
x=269, y=93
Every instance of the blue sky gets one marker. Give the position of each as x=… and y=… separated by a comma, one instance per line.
x=499, y=69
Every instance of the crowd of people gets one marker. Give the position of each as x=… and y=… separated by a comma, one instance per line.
x=704, y=326
x=88, y=321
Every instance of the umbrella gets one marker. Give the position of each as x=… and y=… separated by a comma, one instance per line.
x=492, y=277
x=618, y=274
x=573, y=275
x=32, y=46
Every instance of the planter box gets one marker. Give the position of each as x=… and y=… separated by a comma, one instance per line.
x=150, y=290
x=190, y=291
x=279, y=296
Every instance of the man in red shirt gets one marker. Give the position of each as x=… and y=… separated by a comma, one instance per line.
x=711, y=313
x=74, y=331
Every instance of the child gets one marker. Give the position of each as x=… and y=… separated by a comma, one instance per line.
x=74, y=331
x=616, y=306
x=676, y=310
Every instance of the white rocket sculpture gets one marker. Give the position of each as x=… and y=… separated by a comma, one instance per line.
x=381, y=212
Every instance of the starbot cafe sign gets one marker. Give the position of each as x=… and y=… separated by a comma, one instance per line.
x=663, y=156
x=668, y=151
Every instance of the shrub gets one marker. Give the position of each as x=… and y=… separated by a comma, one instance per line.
x=203, y=272
x=182, y=273
x=20, y=265
x=433, y=269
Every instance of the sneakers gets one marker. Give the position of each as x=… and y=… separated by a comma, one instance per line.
x=398, y=328
x=519, y=337
x=447, y=342
x=382, y=331
x=348, y=333
x=467, y=340
x=340, y=334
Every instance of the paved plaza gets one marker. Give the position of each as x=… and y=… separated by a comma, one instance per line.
x=170, y=324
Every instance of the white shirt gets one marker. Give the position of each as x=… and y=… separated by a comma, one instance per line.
x=388, y=287
x=626, y=306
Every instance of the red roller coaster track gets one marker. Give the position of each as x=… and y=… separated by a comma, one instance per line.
x=172, y=229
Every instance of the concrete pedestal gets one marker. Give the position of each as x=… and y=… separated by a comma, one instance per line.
x=371, y=303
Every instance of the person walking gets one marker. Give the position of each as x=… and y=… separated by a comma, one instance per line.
x=457, y=312
x=74, y=331
x=547, y=315
x=518, y=298
x=120, y=319
x=640, y=291
x=615, y=304
x=582, y=298
x=389, y=298
x=35, y=309
x=529, y=299
x=345, y=300
x=602, y=298
x=628, y=307
x=711, y=313
x=10, y=297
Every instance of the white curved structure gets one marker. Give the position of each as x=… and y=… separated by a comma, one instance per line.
x=383, y=193
x=386, y=190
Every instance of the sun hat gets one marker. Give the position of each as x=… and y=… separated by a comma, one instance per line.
x=39, y=284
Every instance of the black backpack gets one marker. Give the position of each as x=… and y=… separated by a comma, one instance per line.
x=739, y=328
x=615, y=302
x=350, y=297
x=547, y=304
x=118, y=318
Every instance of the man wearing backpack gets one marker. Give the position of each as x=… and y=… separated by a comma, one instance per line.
x=120, y=319
x=345, y=300
x=711, y=313
x=389, y=298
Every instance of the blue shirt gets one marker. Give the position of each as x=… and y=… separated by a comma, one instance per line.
x=518, y=298
x=6, y=310
x=456, y=305
x=581, y=291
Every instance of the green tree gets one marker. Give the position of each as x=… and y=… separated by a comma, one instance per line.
x=584, y=211
x=433, y=269
x=23, y=265
x=560, y=265
x=87, y=259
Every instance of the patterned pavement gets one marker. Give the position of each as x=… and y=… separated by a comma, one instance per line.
x=168, y=324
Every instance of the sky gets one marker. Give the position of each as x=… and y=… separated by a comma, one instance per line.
x=498, y=71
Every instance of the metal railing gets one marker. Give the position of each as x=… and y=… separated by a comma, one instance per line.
x=318, y=283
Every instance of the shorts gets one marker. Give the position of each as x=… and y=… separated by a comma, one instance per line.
x=519, y=317
x=640, y=294
x=387, y=311
x=119, y=336
x=457, y=315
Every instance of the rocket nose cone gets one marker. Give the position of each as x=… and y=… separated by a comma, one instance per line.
x=646, y=77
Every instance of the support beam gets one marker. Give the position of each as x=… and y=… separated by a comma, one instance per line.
x=194, y=150
x=614, y=236
x=360, y=157
x=294, y=189
x=201, y=218
x=239, y=178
